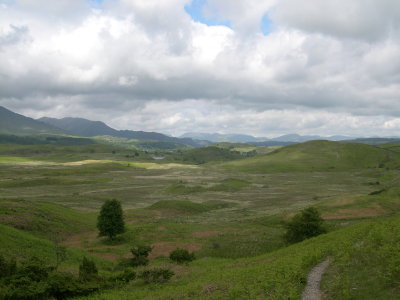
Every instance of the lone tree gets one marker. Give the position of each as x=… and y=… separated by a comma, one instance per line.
x=304, y=225
x=110, y=221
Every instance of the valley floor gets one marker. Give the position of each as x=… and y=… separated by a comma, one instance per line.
x=232, y=220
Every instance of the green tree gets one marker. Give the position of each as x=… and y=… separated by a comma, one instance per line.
x=306, y=224
x=110, y=221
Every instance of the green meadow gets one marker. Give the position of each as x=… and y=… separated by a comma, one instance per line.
x=227, y=204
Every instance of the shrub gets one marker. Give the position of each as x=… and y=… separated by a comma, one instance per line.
x=29, y=281
x=181, y=256
x=127, y=275
x=7, y=267
x=306, y=224
x=32, y=279
x=65, y=285
x=140, y=254
x=87, y=270
x=156, y=275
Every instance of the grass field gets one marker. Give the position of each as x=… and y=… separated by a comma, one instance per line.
x=230, y=213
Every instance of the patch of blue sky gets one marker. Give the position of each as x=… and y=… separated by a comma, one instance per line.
x=196, y=11
x=7, y=2
x=96, y=3
x=266, y=25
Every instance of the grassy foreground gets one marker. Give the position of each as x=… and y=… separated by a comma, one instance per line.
x=357, y=251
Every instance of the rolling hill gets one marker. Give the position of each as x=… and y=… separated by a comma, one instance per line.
x=319, y=156
x=208, y=154
x=218, y=137
x=88, y=128
x=13, y=123
x=284, y=140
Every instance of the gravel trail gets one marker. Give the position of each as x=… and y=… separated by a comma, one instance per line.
x=312, y=290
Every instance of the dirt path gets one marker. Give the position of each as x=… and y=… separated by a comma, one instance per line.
x=312, y=290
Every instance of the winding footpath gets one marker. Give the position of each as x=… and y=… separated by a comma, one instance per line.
x=312, y=290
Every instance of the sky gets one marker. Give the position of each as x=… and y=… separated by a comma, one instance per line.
x=259, y=67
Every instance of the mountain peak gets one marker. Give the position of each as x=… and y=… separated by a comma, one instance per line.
x=13, y=123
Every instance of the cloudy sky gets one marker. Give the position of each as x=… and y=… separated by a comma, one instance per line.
x=261, y=67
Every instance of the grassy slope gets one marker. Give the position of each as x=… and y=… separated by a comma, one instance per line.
x=208, y=154
x=23, y=245
x=319, y=156
x=369, y=248
x=43, y=219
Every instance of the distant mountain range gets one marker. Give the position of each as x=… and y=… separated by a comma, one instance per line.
x=13, y=123
x=87, y=128
x=242, y=138
x=16, y=124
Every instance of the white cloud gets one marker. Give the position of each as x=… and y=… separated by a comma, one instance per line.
x=147, y=65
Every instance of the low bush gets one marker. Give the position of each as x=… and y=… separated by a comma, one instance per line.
x=32, y=279
x=140, y=255
x=87, y=270
x=126, y=276
x=156, y=275
x=181, y=256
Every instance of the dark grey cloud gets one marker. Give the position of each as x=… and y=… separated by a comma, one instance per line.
x=369, y=20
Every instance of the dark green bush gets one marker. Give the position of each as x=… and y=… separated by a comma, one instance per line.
x=306, y=224
x=29, y=281
x=181, y=256
x=7, y=267
x=156, y=275
x=140, y=255
x=33, y=279
x=87, y=270
x=65, y=285
x=127, y=275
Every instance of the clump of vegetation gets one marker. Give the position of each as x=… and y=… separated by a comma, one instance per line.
x=140, y=255
x=230, y=185
x=181, y=256
x=88, y=270
x=180, y=188
x=33, y=279
x=110, y=221
x=306, y=224
x=156, y=275
x=127, y=275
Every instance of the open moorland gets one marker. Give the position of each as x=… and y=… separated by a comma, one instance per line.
x=227, y=204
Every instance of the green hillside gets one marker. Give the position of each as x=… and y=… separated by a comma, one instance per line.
x=208, y=154
x=357, y=252
x=13, y=123
x=43, y=219
x=319, y=156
